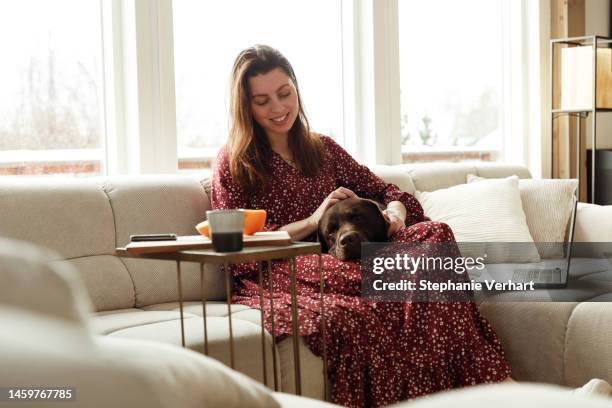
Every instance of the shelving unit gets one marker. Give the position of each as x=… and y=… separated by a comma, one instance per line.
x=590, y=41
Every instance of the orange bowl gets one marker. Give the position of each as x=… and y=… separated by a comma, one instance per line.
x=202, y=228
x=254, y=221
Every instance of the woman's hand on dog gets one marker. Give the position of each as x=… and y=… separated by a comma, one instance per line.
x=396, y=222
x=338, y=194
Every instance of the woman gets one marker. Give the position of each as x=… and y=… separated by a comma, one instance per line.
x=378, y=352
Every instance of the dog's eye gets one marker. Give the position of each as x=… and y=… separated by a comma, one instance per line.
x=331, y=237
x=356, y=217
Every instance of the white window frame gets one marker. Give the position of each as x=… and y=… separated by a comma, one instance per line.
x=525, y=129
x=140, y=106
x=372, y=99
x=526, y=28
x=525, y=31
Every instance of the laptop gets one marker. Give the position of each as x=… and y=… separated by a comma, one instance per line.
x=550, y=277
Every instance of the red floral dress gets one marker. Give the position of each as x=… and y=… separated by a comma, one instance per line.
x=378, y=352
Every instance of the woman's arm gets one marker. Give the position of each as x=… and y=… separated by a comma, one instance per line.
x=362, y=181
x=396, y=215
x=300, y=229
x=303, y=228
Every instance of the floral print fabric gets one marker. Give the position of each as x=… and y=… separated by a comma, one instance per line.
x=378, y=352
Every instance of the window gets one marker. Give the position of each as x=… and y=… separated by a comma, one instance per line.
x=209, y=35
x=50, y=110
x=451, y=80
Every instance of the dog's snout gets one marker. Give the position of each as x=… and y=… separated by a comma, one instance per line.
x=349, y=239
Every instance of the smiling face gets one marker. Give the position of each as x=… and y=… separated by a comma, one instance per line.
x=274, y=102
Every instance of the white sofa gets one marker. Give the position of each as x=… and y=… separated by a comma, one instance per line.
x=47, y=343
x=84, y=221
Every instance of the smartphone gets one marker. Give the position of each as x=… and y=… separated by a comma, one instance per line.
x=153, y=237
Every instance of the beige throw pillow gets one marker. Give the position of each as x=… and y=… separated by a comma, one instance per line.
x=488, y=212
x=548, y=205
x=593, y=223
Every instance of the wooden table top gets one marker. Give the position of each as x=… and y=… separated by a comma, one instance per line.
x=248, y=254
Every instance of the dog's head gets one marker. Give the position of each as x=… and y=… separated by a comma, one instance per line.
x=348, y=223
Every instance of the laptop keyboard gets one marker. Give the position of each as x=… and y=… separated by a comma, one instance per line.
x=537, y=275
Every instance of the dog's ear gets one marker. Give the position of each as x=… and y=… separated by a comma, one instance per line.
x=383, y=236
x=321, y=237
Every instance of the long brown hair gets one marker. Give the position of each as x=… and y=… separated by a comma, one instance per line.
x=248, y=148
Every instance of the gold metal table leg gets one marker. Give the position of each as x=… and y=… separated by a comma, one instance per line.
x=263, y=333
x=270, y=291
x=295, y=329
x=323, y=343
x=228, y=291
x=180, y=293
x=203, y=293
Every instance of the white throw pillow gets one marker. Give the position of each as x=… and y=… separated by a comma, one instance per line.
x=548, y=205
x=486, y=212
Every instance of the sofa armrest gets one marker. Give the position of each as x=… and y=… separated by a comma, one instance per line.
x=563, y=343
x=593, y=223
x=587, y=346
x=31, y=282
x=395, y=175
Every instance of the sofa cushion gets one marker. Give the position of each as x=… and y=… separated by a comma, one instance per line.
x=312, y=384
x=397, y=175
x=507, y=396
x=213, y=308
x=115, y=320
x=293, y=401
x=247, y=340
x=158, y=204
x=113, y=372
x=434, y=176
x=155, y=204
x=431, y=177
x=548, y=206
x=501, y=170
x=588, y=353
x=69, y=358
x=593, y=223
x=183, y=378
x=533, y=335
x=107, y=281
x=72, y=217
x=486, y=212
x=156, y=281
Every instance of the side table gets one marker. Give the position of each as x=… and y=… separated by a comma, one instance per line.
x=257, y=254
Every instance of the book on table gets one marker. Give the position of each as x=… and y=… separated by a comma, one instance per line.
x=186, y=242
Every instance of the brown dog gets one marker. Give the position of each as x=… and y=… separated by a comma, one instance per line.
x=348, y=223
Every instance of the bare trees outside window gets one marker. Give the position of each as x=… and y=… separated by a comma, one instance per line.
x=50, y=110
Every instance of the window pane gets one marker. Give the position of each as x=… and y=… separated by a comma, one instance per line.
x=209, y=35
x=50, y=112
x=451, y=79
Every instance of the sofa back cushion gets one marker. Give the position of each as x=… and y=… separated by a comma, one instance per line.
x=159, y=204
x=73, y=218
x=434, y=176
